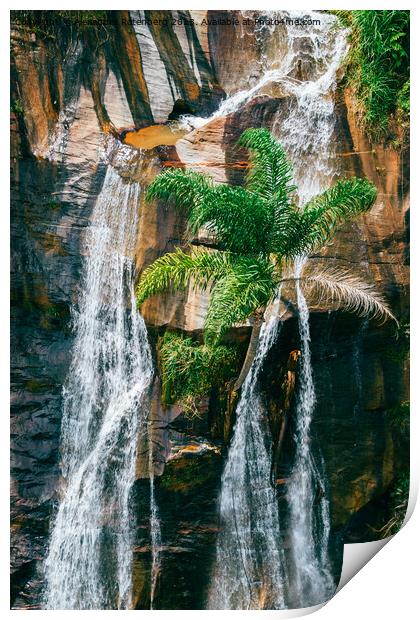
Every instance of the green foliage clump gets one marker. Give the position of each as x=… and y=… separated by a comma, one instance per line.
x=399, y=496
x=190, y=369
x=16, y=107
x=379, y=67
x=399, y=418
x=403, y=107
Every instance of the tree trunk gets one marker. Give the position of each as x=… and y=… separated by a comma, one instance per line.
x=256, y=321
x=287, y=388
x=277, y=448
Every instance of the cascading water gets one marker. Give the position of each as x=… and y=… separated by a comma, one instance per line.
x=306, y=132
x=308, y=567
x=106, y=400
x=248, y=568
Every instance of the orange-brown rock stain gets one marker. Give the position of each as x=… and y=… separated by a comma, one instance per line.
x=154, y=135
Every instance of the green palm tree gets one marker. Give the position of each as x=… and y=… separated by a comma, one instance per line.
x=255, y=232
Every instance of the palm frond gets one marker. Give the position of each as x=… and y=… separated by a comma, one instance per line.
x=341, y=289
x=236, y=296
x=289, y=233
x=270, y=171
x=249, y=225
x=239, y=220
x=185, y=188
x=175, y=270
x=340, y=203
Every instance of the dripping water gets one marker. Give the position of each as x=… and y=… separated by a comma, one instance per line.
x=105, y=406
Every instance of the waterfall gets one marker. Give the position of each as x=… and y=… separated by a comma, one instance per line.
x=308, y=568
x=250, y=571
x=306, y=132
x=248, y=568
x=105, y=406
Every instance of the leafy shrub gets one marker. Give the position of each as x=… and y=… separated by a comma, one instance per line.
x=399, y=418
x=379, y=66
x=189, y=370
x=398, y=505
x=16, y=107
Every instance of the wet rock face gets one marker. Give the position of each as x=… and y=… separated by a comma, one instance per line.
x=116, y=76
x=360, y=375
x=186, y=494
x=68, y=97
x=378, y=243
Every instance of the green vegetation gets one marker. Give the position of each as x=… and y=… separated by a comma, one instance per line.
x=400, y=351
x=189, y=369
x=256, y=233
x=399, y=496
x=379, y=68
x=399, y=419
x=16, y=107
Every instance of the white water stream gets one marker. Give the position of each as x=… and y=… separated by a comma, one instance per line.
x=307, y=133
x=248, y=571
x=308, y=566
x=106, y=402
